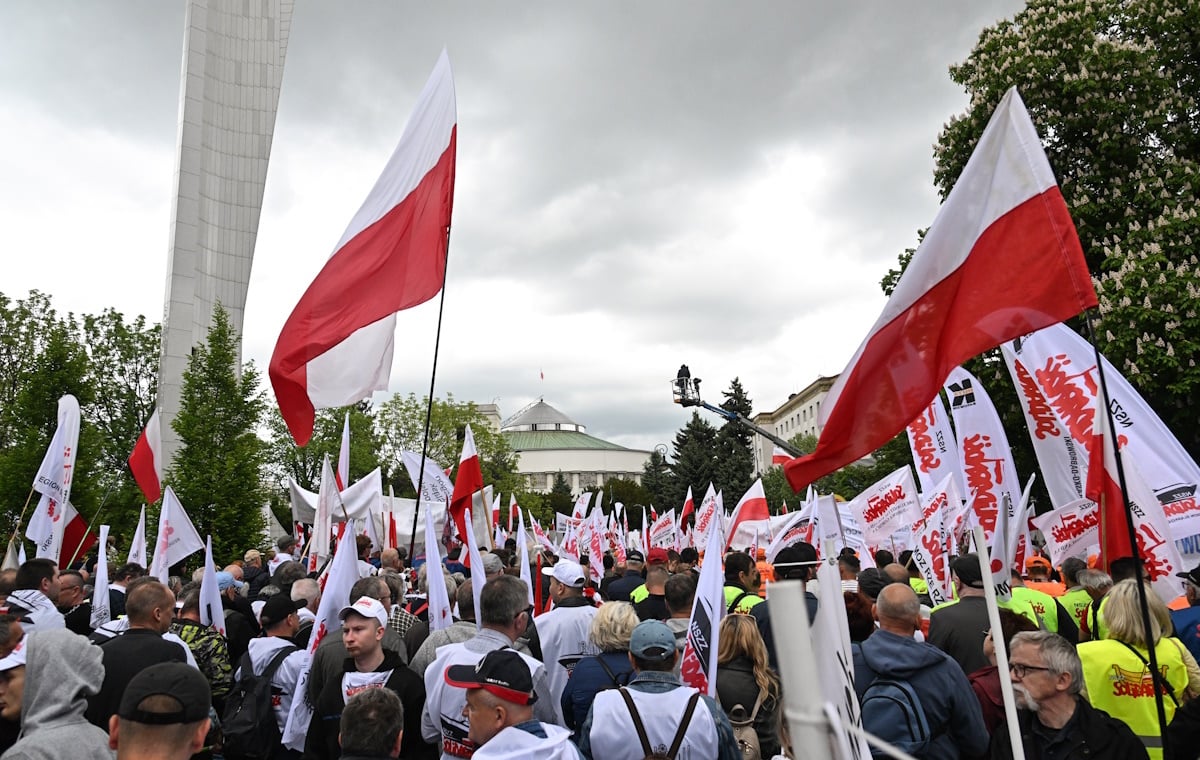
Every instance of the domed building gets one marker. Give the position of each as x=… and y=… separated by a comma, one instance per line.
x=550, y=442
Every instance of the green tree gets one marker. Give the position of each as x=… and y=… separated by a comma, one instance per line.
x=695, y=463
x=400, y=424
x=657, y=480
x=630, y=493
x=218, y=472
x=735, y=453
x=1112, y=88
x=560, y=499
x=303, y=463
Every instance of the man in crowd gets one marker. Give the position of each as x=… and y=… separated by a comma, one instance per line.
x=372, y=726
x=389, y=561
x=328, y=662
x=499, y=711
x=1038, y=570
x=679, y=592
x=656, y=557
x=741, y=583
x=654, y=605
x=118, y=584
x=207, y=645
x=254, y=575
x=459, y=631
x=669, y=712
x=564, y=631
x=1075, y=599
x=150, y=607
x=1187, y=620
x=285, y=546
x=279, y=622
x=369, y=666
x=35, y=596
x=1047, y=677
x=621, y=587
x=11, y=635
x=503, y=613
x=163, y=715
x=958, y=628
x=75, y=607
x=308, y=591
x=363, y=545
x=796, y=562
x=956, y=727
x=46, y=681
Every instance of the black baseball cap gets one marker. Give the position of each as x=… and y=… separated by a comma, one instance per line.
x=633, y=555
x=502, y=672
x=277, y=608
x=179, y=681
x=966, y=567
x=1192, y=575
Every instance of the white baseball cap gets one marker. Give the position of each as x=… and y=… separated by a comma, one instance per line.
x=567, y=573
x=368, y=608
x=16, y=657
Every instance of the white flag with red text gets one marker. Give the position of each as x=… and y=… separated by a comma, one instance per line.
x=177, y=537
x=934, y=447
x=699, y=660
x=885, y=506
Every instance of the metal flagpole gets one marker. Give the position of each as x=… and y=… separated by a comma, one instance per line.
x=1155, y=674
x=437, y=342
x=95, y=517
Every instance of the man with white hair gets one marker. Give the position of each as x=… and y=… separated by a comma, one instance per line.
x=1047, y=677
x=310, y=591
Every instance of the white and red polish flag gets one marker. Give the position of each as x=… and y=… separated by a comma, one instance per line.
x=336, y=347
x=751, y=515
x=689, y=507
x=967, y=289
x=343, y=468
x=780, y=457
x=146, y=461
x=467, y=482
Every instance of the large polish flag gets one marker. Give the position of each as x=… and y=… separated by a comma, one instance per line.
x=1001, y=259
x=336, y=347
x=750, y=516
x=467, y=482
x=146, y=461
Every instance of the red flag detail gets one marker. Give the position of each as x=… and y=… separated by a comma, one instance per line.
x=466, y=483
x=1104, y=488
x=779, y=456
x=146, y=461
x=1001, y=259
x=336, y=347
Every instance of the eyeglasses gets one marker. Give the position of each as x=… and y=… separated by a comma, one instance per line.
x=1020, y=670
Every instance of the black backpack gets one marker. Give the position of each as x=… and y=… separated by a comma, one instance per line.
x=249, y=726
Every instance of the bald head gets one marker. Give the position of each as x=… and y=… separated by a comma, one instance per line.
x=898, y=609
x=896, y=573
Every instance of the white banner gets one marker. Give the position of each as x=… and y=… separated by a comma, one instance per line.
x=984, y=454
x=137, y=549
x=435, y=486
x=1062, y=366
x=835, y=665
x=890, y=504
x=706, y=516
x=1071, y=530
x=53, y=482
x=177, y=537
x=797, y=527
x=934, y=448
x=929, y=541
x=100, y=609
x=362, y=499
x=662, y=532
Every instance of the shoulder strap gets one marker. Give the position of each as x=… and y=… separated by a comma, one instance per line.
x=683, y=725
x=758, y=703
x=277, y=660
x=637, y=722
x=1156, y=676
x=736, y=602
x=611, y=675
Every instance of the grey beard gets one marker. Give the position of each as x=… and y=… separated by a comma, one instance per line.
x=1024, y=700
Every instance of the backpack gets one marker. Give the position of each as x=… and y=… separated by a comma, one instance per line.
x=892, y=711
x=743, y=729
x=249, y=725
x=676, y=743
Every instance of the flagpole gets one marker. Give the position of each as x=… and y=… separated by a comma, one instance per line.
x=437, y=342
x=1133, y=543
x=21, y=519
x=95, y=517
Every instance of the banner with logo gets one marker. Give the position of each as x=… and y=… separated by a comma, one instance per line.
x=887, y=505
x=934, y=448
x=984, y=454
x=930, y=540
x=706, y=517
x=1072, y=530
x=662, y=532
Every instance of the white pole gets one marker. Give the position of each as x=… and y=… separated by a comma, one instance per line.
x=1001, y=646
x=802, y=701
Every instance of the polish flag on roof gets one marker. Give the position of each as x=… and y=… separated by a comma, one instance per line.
x=1002, y=259
x=146, y=461
x=336, y=347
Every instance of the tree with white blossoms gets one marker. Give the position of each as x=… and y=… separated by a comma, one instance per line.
x=1114, y=89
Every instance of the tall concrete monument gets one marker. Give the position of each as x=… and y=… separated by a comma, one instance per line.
x=233, y=54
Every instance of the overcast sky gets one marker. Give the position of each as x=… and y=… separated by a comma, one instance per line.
x=639, y=185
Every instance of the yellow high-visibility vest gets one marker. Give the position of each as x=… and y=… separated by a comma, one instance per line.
x=1119, y=683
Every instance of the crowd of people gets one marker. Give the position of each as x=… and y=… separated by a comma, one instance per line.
x=587, y=669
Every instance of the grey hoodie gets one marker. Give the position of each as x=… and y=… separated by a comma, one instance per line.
x=62, y=670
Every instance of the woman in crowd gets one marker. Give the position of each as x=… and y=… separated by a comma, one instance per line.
x=745, y=679
x=610, y=632
x=1113, y=668
x=985, y=682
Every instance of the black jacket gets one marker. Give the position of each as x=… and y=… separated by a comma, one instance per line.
x=736, y=686
x=1093, y=735
x=124, y=657
x=322, y=740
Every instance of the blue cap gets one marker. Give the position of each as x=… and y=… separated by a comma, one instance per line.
x=652, y=640
x=226, y=581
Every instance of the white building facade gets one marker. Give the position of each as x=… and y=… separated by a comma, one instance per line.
x=796, y=416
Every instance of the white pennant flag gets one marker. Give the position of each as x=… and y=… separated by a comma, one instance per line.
x=706, y=517
x=835, y=664
x=522, y=556
x=699, y=665
x=137, y=549
x=929, y=540
x=440, y=616
x=211, y=611
x=53, y=482
x=476, y=565
x=934, y=447
x=327, y=496
x=100, y=609
x=177, y=537
x=1072, y=530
